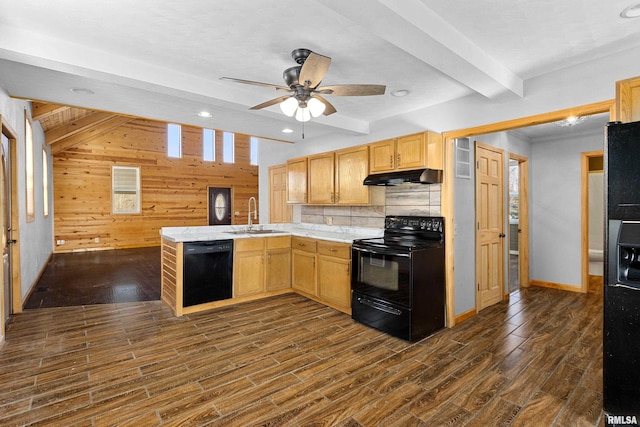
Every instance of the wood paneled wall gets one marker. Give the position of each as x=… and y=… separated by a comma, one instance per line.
x=174, y=192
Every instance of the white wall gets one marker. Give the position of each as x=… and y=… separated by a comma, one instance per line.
x=36, y=237
x=556, y=233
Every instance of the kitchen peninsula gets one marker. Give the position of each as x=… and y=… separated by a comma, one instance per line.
x=313, y=260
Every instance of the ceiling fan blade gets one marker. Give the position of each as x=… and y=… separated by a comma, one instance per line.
x=329, y=109
x=251, y=82
x=270, y=103
x=314, y=69
x=352, y=90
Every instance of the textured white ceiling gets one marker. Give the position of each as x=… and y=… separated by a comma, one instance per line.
x=163, y=59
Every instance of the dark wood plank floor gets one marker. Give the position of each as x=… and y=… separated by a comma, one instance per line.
x=533, y=361
x=98, y=277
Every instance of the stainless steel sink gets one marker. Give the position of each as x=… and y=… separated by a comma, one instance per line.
x=254, y=232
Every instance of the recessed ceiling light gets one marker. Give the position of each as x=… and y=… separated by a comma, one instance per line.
x=571, y=121
x=287, y=130
x=632, y=11
x=400, y=92
x=81, y=91
x=205, y=114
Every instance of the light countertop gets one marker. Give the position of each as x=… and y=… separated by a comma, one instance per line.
x=224, y=232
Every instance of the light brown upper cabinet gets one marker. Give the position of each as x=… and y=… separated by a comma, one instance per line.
x=406, y=152
x=352, y=167
x=320, y=176
x=336, y=177
x=627, y=107
x=297, y=180
x=279, y=210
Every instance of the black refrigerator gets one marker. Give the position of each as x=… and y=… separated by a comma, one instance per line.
x=621, y=345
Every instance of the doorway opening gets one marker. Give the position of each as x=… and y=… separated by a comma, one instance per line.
x=592, y=216
x=518, y=214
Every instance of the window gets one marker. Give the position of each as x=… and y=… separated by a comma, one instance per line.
x=208, y=145
x=228, y=155
x=45, y=182
x=28, y=140
x=254, y=150
x=174, y=140
x=125, y=190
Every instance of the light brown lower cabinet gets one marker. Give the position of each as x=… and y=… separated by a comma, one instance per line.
x=322, y=270
x=248, y=267
x=334, y=274
x=303, y=265
x=278, y=268
x=261, y=265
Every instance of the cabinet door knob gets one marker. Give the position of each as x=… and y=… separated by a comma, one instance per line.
x=391, y=161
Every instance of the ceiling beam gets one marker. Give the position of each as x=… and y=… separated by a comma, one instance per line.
x=99, y=128
x=411, y=26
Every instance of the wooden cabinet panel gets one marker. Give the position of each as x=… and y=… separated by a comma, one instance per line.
x=249, y=244
x=279, y=210
x=410, y=152
x=334, y=249
x=278, y=267
x=382, y=156
x=352, y=167
x=261, y=265
x=248, y=277
x=279, y=242
x=303, y=244
x=415, y=151
x=297, y=180
x=334, y=274
x=278, y=274
x=321, y=178
x=435, y=150
x=627, y=108
x=334, y=281
x=303, y=271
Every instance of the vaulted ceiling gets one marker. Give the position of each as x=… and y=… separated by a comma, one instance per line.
x=163, y=59
x=65, y=127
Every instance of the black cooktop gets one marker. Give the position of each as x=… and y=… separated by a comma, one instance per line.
x=408, y=233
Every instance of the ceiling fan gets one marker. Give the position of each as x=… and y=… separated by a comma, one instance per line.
x=305, y=95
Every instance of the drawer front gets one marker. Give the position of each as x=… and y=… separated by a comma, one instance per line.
x=303, y=244
x=280, y=242
x=249, y=244
x=338, y=250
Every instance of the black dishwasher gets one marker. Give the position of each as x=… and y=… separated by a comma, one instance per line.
x=207, y=272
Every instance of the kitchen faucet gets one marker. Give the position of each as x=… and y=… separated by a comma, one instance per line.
x=255, y=211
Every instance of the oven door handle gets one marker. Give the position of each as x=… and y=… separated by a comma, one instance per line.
x=380, y=251
x=379, y=306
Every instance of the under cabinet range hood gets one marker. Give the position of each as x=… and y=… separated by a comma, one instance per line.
x=416, y=176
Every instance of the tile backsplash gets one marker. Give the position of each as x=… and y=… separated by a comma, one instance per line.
x=404, y=199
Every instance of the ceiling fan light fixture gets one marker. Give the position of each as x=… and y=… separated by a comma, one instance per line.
x=303, y=115
x=289, y=107
x=316, y=107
